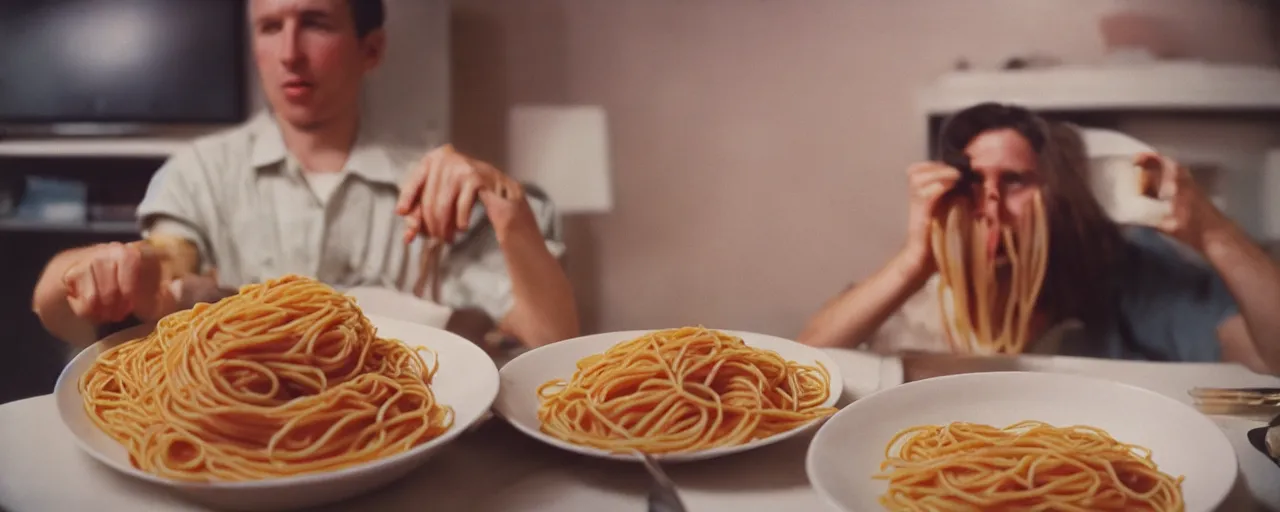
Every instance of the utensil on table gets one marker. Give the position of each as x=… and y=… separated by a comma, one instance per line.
x=662, y=492
x=1253, y=396
x=1255, y=402
x=1267, y=439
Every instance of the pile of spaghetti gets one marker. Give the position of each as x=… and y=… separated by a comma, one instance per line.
x=1026, y=466
x=287, y=377
x=987, y=306
x=682, y=390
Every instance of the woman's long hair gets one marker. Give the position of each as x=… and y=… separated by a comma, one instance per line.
x=1084, y=243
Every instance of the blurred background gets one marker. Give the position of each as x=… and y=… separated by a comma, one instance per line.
x=734, y=162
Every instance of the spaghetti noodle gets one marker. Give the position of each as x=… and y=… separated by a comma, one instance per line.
x=1025, y=466
x=286, y=377
x=682, y=390
x=982, y=312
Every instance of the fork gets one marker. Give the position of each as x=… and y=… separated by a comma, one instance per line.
x=1260, y=402
x=1237, y=394
x=662, y=494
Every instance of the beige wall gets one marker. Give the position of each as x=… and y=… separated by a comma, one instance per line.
x=758, y=145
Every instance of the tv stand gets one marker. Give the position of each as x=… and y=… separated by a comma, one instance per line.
x=92, y=140
x=127, y=147
x=43, y=131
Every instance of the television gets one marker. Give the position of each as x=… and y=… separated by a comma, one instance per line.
x=111, y=67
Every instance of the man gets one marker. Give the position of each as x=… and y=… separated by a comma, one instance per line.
x=1132, y=291
x=306, y=189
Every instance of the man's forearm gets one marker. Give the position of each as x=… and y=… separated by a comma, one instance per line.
x=544, y=310
x=1254, y=281
x=851, y=318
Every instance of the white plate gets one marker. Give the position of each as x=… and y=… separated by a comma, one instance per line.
x=849, y=447
x=518, y=399
x=467, y=381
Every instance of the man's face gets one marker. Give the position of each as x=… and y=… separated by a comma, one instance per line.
x=1006, y=165
x=309, y=58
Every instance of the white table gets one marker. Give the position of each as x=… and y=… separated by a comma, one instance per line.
x=496, y=468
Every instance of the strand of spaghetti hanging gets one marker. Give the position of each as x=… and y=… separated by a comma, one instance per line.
x=980, y=311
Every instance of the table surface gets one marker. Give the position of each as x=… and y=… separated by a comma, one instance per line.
x=41, y=468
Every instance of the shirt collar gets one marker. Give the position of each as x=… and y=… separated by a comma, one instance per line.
x=368, y=159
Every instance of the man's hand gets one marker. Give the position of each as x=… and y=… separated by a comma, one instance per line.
x=439, y=193
x=115, y=280
x=436, y=200
x=1191, y=214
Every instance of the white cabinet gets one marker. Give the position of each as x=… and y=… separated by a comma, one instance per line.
x=1154, y=86
x=1220, y=119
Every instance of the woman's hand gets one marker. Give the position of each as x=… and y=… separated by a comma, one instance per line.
x=1191, y=214
x=929, y=182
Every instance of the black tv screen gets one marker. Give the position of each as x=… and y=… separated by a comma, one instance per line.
x=122, y=61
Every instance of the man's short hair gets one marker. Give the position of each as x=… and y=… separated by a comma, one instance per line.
x=368, y=15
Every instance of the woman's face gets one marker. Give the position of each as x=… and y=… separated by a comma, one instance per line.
x=1008, y=179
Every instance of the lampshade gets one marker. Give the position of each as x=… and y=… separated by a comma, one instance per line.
x=564, y=150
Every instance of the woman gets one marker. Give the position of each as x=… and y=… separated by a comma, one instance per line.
x=1196, y=289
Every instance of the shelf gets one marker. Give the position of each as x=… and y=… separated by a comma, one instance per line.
x=94, y=147
x=46, y=226
x=1152, y=86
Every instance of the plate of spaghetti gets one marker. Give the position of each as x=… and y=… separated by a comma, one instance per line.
x=1021, y=441
x=284, y=395
x=676, y=394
